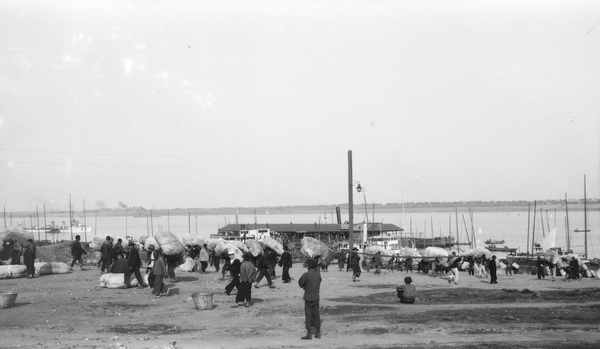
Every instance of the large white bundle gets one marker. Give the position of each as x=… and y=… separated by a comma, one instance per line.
x=221, y=247
x=434, y=252
x=386, y=255
x=142, y=239
x=169, y=243
x=97, y=242
x=551, y=256
x=16, y=234
x=212, y=243
x=117, y=280
x=478, y=252
x=188, y=265
x=240, y=245
x=12, y=271
x=273, y=244
x=312, y=247
x=150, y=241
x=254, y=247
x=192, y=240
x=464, y=266
x=46, y=268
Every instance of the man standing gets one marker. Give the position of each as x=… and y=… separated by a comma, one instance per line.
x=134, y=262
x=106, y=255
x=286, y=263
x=540, y=268
x=247, y=276
x=311, y=283
x=355, y=263
x=76, y=252
x=29, y=258
x=117, y=250
x=493, y=268
x=204, y=258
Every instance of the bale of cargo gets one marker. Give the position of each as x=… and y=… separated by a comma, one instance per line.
x=240, y=245
x=254, y=247
x=192, y=240
x=150, y=241
x=169, y=243
x=188, y=265
x=386, y=255
x=273, y=245
x=551, y=256
x=431, y=253
x=311, y=247
x=16, y=234
x=47, y=268
x=464, y=266
x=12, y=271
x=478, y=252
x=97, y=242
x=117, y=280
x=212, y=243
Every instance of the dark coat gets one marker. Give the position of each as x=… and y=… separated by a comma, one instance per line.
x=311, y=283
x=76, y=249
x=286, y=259
x=134, y=260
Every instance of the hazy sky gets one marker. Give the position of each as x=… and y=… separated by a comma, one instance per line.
x=180, y=104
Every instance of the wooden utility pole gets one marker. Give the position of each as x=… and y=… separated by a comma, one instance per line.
x=350, y=203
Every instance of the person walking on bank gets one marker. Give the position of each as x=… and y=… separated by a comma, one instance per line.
x=263, y=268
x=493, y=268
x=247, y=276
x=234, y=269
x=76, y=252
x=172, y=263
x=286, y=263
x=311, y=283
x=453, y=262
x=355, y=263
x=341, y=260
x=216, y=261
x=29, y=258
x=204, y=258
x=106, y=255
x=540, y=268
x=159, y=270
x=134, y=263
x=574, y=269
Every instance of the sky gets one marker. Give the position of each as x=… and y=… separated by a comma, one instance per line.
x=205, y=104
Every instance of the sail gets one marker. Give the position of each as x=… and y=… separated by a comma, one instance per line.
x=549, y=241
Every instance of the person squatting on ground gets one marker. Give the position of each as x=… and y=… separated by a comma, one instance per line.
x=310, y=281
x=407, y=292
x=234, y=269
x=29, y=258
x=106, y=255
x=76, y=252
x=134, y=263
x=247, y=276
x=263, y=268
x=204, y=258
x=540, y=268
x=355, y=263
x=286, y=263
x=159, y=270
x=493, y=268
x=453, y=262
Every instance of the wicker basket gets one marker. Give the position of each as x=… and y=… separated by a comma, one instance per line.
x=8, y=299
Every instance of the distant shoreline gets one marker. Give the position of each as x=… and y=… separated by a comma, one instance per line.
x=330, y=209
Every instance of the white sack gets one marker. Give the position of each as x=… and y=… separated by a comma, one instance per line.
x=12, y=271
x=46, y=268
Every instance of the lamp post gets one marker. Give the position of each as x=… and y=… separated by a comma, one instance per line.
x=350, y=203
x=359, y=189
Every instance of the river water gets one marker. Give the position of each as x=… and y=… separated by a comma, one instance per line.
x=512, y=227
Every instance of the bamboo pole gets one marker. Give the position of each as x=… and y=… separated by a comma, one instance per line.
x=567, y=222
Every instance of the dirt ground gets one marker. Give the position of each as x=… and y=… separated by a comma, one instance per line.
x=71, y=311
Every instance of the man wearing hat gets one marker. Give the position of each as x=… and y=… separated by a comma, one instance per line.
x=311, y=283
x=407, y=292
x=286, y=263
x=355, y=263
x=134, y=262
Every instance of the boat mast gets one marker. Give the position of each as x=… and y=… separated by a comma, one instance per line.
x=70, y=218
x=528, y=223
x=567, y=222
x=533, y=229
x=585, y=229
x=45, y=225
x=457, y=231
x=37, y=219
x=85, y=223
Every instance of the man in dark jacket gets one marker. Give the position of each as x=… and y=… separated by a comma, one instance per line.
x=29, y=258
x=117, y=251
x=106, y=257
x=134, y=263
x=263, y=267
x=235, y=281
x=76, y=252
x=355, y=263
x=311, y=283
x=286, y=263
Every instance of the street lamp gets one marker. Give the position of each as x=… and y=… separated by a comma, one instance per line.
x=359, y=189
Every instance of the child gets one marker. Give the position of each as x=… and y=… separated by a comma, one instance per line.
x=159, y=270
x=407, y=292
x=311, y=283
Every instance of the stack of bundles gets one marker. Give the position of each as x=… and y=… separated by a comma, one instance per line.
x=551, y=256
x=192, y=240
x=96, y=244
x=188, y=265
x=46, y=268
x=12, y=271
x=313, y=247
x=478, y=252
x=240, y=245
x=117, y=280
x=434, y=252
x=386, y=255
x=273, y=244
x=227, y=248
x=212, y=243
x=169, y=243
x=16, y=234
x=150, y=241
x=254, y=247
